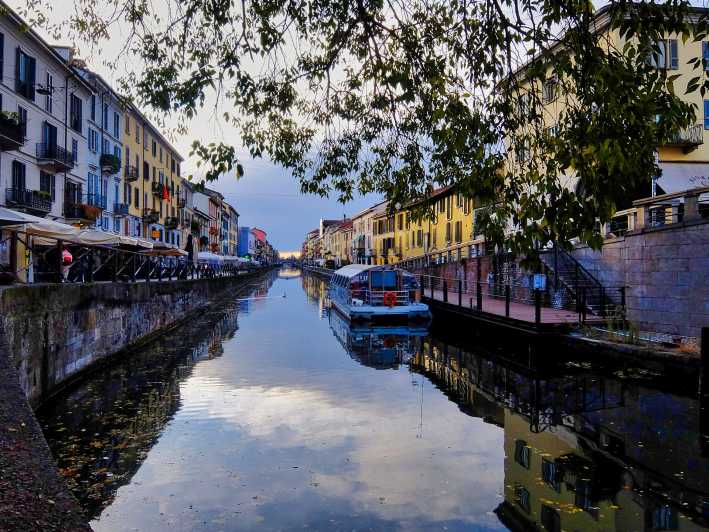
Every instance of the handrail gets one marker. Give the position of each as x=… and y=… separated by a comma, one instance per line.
x=673, y=195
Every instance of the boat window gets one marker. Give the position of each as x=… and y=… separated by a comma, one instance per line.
x=383, y=280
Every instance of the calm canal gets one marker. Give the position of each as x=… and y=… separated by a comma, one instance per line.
x=269, y=412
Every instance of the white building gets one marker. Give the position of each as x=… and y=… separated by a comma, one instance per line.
x=105, y=154
x=43, y=162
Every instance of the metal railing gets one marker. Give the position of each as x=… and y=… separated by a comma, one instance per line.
x=150, y=216
x=690, y=137
x=486, y=296
x=110, y=164
x=376, y=298
x=29, y=199
x=121, y=209
x=131, y=173
x=12, y=133
x=57, y=154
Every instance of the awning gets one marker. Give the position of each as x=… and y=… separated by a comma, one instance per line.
x=165, y=252
x=10, y=217
x=45, y=228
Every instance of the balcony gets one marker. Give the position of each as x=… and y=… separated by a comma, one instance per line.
x=171, y=222
x=195, y=227
x=110, y=164
x=54, y=158
x=86, y=208
x=12, y=133
x=157, y=188
x=33, y=201
x=213, y=231
x=687, y=139
x=181, y=203
x=121, y=209
x=150, y=216
x=131, y=173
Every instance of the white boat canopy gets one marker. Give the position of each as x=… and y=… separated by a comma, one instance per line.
x=353, y=270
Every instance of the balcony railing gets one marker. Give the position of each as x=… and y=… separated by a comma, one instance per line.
x=688, y=139
x=150, y=216
x=213, y=231
x=12, y=133
x=181, y=203
x=87, y=207
x=121, y=209
x=157, y=188
x=110, y=164
x=171, y=222
x=195, y=227
x=56, y=157
x=31, y=200
x=131, y=173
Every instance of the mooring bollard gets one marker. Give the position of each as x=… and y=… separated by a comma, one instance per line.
x=537, y=306
x=507, y=301
x=445, y=291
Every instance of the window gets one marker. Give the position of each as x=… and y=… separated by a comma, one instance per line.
x=458, y=232
x=705, y=54
x=137, y=198
x=22, y=115
x=522, y=453
x=522, y=152
x=18, y=175
x=665, y=55
x=550, y=519
x=105, y=147
x=93, y=140
x=449, y=207
x=127, y=159
x=549, y=91
x=75, y=112
x=117, y=152
x=116, y=125
x=146, y=171
x=47, y=184
x=137, y=133
x=160, y=153
x=25, y=67
x=74, y=150
x=49, y=98
x=104, y=116
x=706, y=114
x=553, y=131
x=93, y=107
x=448, y=233
x=2, y=55
x=550, y=474
x=127, y=125
x=155, y=148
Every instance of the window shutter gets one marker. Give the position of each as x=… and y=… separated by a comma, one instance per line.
x=706, y=114
x=31, y=77
x=2, y=55
x=674, y=55
x=18, y=83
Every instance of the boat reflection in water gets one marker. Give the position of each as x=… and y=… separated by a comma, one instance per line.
x=380, y=347
x=584, y=450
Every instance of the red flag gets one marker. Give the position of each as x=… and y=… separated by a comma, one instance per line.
x=165, y=193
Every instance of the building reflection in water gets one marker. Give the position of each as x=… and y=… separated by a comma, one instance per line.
x=583, y=451
x=316, y=290
x=101, y=431
x=378, y=347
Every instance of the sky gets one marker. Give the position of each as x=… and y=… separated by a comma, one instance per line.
x=267, y=196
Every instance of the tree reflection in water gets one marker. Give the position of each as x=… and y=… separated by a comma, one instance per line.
x=101, y=431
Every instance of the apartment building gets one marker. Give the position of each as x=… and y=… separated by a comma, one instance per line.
x=158, y=196
x=43, y=131
x=362, y=233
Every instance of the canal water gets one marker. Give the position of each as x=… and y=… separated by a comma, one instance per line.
x=269, y=412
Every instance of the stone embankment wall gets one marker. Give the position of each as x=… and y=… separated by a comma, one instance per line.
x=665, y=272
x=53, y=332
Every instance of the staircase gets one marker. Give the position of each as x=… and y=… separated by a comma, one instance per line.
x=567, y=272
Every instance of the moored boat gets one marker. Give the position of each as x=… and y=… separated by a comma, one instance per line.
x=369, y=292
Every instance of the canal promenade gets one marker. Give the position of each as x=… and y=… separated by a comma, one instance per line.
x=33, y=496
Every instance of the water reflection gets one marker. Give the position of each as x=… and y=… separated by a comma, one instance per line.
x=101, y=432
x=379, y=347
x=315, y=289
x=582, y=451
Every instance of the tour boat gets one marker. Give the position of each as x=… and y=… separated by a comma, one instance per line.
x=369, y=292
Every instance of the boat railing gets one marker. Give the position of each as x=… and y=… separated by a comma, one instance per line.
x=377, y=297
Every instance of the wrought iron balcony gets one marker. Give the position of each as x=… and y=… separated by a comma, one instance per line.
x=195, y=227
x=131, y=173
x=12, y=133
x=84, y=208
x=157, y=188
x=171, y=222
x=687, y=139
x=121, y=209
x=96, y=200
x=181, y=203
x=110, y=164
x=34, y=201
x=54, y=157
x=150, y=216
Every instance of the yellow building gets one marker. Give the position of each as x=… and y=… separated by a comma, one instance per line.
x=152, y=170
x=683, y=159
x=385, y=251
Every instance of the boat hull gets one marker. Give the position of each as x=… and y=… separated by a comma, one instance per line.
x=411, y=312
